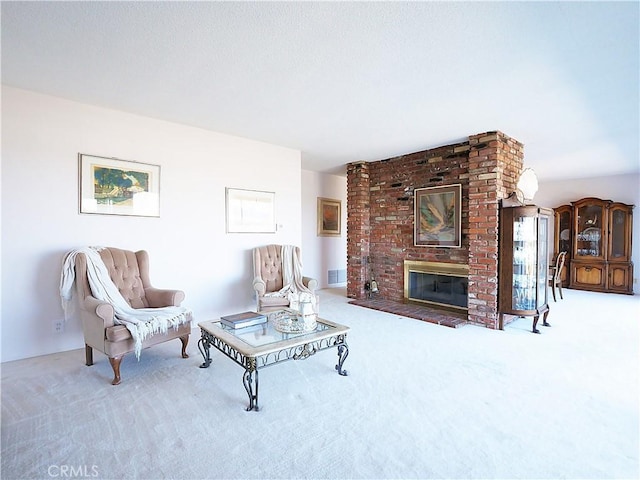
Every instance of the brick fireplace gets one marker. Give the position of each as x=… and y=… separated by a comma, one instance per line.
x=380, y=215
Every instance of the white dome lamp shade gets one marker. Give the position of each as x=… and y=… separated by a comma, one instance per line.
x=528, y=184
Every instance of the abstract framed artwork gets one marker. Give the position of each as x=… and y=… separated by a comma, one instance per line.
x=250, y=211
x=110, y=186
x=329, y=217
x=438, y=216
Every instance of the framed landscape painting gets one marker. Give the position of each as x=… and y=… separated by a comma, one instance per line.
x=329, y=217
x=437, y=216
x=110, y=186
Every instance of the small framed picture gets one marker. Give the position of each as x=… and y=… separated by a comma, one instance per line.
x=250, y=211
x=437, y=216
x=109, y=186
x=329, y=217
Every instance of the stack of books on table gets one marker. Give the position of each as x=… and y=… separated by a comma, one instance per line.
x=244, y=319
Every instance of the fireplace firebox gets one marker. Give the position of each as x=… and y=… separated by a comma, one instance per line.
x=436, y=283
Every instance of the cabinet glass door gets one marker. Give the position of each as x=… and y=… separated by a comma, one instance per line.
x=564, y=235
x=589, y=231
x=618, y=232
x=524, y=263
x=543, y=260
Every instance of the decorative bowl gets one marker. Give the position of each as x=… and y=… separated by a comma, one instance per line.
x=291, y=321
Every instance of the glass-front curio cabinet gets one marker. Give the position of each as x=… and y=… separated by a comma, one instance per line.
x=524, y=262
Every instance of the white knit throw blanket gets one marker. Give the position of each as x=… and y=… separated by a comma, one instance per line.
x=294, y=289
x=141, y=322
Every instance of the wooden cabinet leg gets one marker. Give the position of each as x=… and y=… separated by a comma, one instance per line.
x=535, y=323
x=185, y=340
x=115, y=364
x=88, y=354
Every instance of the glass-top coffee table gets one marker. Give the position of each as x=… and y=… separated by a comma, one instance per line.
x=262, y=345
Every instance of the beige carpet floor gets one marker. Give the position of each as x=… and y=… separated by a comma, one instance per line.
x=420, y=401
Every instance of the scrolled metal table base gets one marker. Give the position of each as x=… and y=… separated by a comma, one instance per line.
x=343, y=353
x=252, y=364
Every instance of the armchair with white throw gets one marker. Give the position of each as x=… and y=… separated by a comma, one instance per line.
x=120, y=311
x=277, y=278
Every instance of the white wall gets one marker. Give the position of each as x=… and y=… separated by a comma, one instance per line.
x=618, y=188
x=321, y=254
x=188, y=246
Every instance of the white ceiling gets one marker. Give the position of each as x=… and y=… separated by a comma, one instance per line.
x=351, y=81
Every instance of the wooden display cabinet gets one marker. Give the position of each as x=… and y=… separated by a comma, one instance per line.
x=524, y=263
x=601, y=246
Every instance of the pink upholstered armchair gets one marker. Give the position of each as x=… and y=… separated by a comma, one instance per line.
x=130, y=273
x=268, y=277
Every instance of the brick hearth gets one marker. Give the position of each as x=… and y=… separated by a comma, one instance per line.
x=419, y=312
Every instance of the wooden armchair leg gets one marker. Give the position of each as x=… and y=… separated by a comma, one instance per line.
x=115, y=364
x=88, y=354
x=185, y=340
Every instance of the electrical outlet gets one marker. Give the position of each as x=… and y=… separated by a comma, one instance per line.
x=58, y=326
